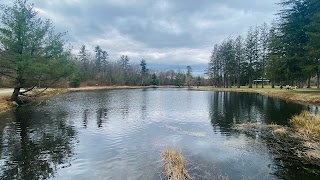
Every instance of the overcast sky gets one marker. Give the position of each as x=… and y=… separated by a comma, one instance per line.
x=167, y=32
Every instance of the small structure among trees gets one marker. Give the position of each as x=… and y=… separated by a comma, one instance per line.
x=262, y=81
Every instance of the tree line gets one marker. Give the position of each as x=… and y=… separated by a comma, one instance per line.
x=32, y=54
x=98, y=69
x=285, y=52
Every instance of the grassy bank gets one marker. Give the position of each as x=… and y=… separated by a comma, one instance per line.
x=299, y=142
x=305, y=96
x=34, y=96
x=5, y=103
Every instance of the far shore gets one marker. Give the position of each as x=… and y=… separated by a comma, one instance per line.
x=302, y=96
x=92, y=88
x=5, y=93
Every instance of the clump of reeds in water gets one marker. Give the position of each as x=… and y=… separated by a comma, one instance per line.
x=175, y=165
x=307, y=124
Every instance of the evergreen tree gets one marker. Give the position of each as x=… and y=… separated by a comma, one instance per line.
x=84, y=60
x=239, y=58
x=214, y=67
x=294, y=20
x=144, y=71
x=154, y=80
x=189, y=77
x=313, y=33
x=275, y=57
x=98, y=59
x=31, y=51
x=251, y=53
x=179, y=79
x=264, y=38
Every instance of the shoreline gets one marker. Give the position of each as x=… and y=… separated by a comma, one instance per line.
x=6, y=104
x=301, y=96
x=308, y=97
x=93, y=88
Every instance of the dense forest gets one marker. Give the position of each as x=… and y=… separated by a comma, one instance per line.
x=34, y=55
x=285, y=52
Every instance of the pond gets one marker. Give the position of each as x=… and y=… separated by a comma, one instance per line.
x=119, y=134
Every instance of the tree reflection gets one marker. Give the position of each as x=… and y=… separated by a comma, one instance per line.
x=227, y=109
x=101, y=116
x=33, y=149
x=85, y=118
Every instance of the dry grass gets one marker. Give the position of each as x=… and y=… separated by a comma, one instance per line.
x=37, y=95
x=5, y=103
x=300, y=141
x=307, y=124
x=175, y=165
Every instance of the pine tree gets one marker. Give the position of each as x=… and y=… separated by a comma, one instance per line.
x=31, y=51
x=154, y=80
x=189, y=77
x=239, y=58
x=251, y=53
x=143, y=71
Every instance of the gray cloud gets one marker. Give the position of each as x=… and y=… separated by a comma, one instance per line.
x=173, y=32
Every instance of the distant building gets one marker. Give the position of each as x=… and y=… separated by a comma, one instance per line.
x=259, y=81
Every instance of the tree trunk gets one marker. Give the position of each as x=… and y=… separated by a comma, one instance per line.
x=309, y=82
x=250, y=82
x=272, y=84
x=15, y=95
x=318, y=80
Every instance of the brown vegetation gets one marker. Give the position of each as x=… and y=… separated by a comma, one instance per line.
x=307, y=124
x=37, y=95
x=298, y=142
x=5, y=103
x=175, y=165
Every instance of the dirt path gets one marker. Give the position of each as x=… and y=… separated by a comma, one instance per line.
x=5, y=91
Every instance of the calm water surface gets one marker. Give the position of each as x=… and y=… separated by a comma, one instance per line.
x=119, y=134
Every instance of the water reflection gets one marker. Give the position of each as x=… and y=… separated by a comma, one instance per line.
x=227, y=109
x=119, y=134
x=102, y=115
x=35, y=150
x=85, y=117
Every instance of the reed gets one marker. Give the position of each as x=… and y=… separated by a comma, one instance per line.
x=175, y=165
x=307, y=124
